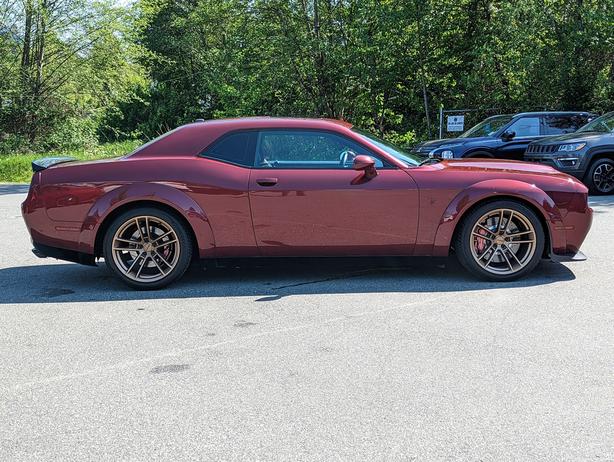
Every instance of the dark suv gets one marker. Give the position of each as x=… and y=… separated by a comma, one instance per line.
x=587, y=154
x=504, y=136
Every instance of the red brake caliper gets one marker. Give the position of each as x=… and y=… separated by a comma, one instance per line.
x=480, y=244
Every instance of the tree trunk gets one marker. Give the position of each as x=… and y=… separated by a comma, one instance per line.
x=27, y=37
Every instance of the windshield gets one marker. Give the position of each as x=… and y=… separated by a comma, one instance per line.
x=603, y=124
x=389, y=148
x=487, y=127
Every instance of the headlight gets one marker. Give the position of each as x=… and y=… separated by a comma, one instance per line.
x=447, y=154
x=571, y=147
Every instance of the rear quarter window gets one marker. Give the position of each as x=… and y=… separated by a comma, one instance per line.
x=234, y=148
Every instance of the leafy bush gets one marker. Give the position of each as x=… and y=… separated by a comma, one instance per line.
x=17, y=167
x=403, y=140
x=73, y=134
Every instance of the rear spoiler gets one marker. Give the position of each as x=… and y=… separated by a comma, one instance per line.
x=39, y=165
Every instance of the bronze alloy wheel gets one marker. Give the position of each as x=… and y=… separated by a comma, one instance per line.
x=503, y=241
x=500, y=240
x=148, y=248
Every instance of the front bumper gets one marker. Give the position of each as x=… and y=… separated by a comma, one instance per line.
x=576, y=171
x=568, y=257
x=571, y=234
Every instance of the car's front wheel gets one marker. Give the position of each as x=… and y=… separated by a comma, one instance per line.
x=147, y=248
x=600, y=177
x=500, y=240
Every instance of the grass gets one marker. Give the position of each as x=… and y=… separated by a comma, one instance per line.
x=17, y=168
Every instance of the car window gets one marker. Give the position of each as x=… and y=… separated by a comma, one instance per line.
x=566, y=123
x=603, y=124
x=525, y=126
x=487, y=127
x=389, y=148
x=235, y=148
x=307, y=149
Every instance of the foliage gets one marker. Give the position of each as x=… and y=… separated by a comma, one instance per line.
x=382, y=64
x=66, y=64
x=77, y=72
x=18, y=168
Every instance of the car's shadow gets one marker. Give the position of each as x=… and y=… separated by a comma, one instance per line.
x=599, y=202
x=265, y=280
x=14, y=188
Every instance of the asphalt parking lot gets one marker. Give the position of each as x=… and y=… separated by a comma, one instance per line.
x=317, y=361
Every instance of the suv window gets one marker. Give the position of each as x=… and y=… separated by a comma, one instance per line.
x=564, y=123
x=525, y=126
x=307, y=149
x=234, y=148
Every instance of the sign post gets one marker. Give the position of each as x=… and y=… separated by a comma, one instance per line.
x=440, y=121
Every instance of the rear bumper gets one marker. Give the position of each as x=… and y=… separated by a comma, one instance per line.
x=44, y=251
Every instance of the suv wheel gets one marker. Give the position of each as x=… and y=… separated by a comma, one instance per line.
x=600, y=177
x=147, y=248
x=501, y=241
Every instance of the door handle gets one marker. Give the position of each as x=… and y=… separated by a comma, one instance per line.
x=267, y=181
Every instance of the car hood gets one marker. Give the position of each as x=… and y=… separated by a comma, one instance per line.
x=576, y=137
x=428, y=145
x=495, y=168
x=433, y=144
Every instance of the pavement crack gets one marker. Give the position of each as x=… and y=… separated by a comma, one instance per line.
x=337, y=277
x=169, y=368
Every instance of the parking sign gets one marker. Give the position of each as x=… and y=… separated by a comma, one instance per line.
x=456, y=123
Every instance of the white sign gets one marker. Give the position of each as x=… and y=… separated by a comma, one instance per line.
x=456, y=123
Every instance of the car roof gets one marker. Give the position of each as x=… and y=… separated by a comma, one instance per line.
x=266, y=122
x=539, y=113
x=192, y=138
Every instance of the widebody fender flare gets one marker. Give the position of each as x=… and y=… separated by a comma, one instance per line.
x=491, y=189
x=164, y=194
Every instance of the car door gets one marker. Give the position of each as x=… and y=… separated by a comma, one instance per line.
x=220, y=185
x=306, y=200
x=526, y=129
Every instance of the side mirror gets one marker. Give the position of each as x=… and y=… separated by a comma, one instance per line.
x=366, y=164
x=508, y=136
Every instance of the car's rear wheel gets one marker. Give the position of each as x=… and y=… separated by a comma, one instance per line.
x=147, y=248
x=600, y=177
x=500, y=240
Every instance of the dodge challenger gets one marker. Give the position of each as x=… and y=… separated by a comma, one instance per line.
x=284, y=187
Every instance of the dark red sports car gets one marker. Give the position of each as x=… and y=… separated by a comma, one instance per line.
x=260, y=187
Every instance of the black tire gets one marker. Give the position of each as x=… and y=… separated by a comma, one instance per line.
x=604, y=187
x=178, y=242
x=465, y=239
